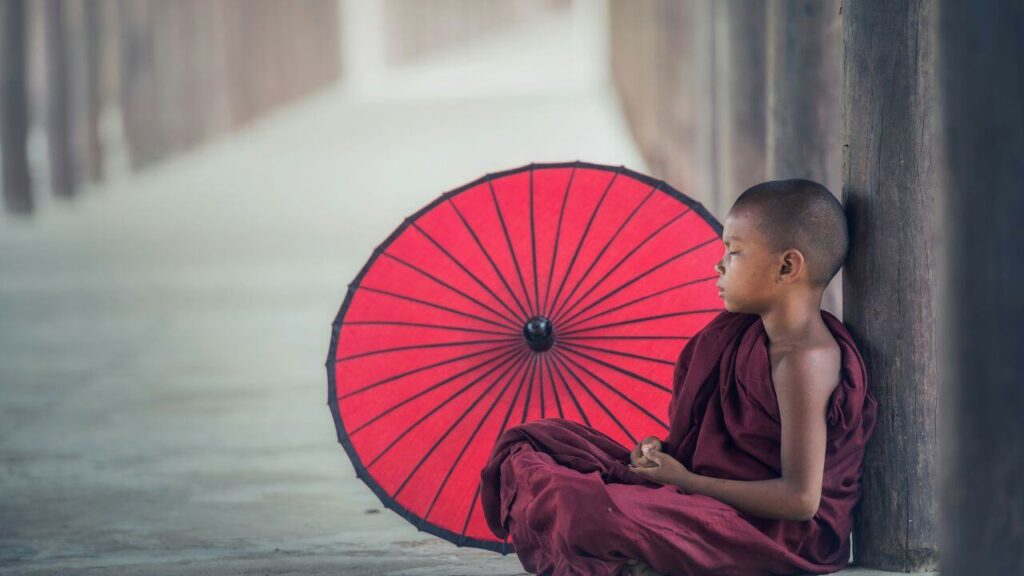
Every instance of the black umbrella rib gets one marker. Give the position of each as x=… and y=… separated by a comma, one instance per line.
x=639, y=277
x=619, y=369
x=583, y=239
x=615, y=266
x=616, y=391
x=554, y=247
x=529, y=388
x=489, y=259
x=558, y=357
x=517, y=361
x=540, y=387
x=423, y=325
x=462, y=266
x=469, y=514
x=470, y=437
x=509, y=340
x=459, y=421
x=511, y=323
x=533, y=249
x=432, y=305
x=509, y=355
x=568, y=389
x=643, y=319
x=511, y=251
x=421, y=369
x=571, y=337
x=619, y=353
x=472, y=505
x=573, y=322
x=554, y=385
x=607, y=245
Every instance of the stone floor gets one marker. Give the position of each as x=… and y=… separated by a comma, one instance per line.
x=162, y=389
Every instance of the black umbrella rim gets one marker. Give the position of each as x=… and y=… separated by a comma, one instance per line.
x=389, y=502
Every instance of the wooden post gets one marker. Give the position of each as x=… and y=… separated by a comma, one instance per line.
x=92, y=98
x=889, y=187
x=982, y=480
x=138, y=79
x=59, y=128
x=80, y=31
x=688, y=102
x=804, y=101
x=662, y=64
x=17, y=180
x=635, y=68
x=741, y=98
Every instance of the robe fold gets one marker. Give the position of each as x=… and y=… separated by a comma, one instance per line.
x=564, y=494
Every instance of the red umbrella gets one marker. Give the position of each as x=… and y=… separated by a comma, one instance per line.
x=562, y=290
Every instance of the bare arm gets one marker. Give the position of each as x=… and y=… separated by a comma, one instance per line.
x=804, y=381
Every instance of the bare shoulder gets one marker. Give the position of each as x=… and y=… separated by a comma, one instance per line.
x=810, y=370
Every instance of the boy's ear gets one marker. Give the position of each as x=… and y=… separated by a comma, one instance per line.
x=792, y=263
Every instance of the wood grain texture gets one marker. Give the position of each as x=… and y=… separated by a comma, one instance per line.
x=890, y=177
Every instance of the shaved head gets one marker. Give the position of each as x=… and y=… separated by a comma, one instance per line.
x=800, y=214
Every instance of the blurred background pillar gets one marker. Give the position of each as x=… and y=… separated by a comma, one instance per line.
x=662, y=60
x=59, y=128
x=890, y=180
x=740, y=97
x=691, y=78
x=14, y=117
x=982, y=481
x=191, y=70
x=805, y=101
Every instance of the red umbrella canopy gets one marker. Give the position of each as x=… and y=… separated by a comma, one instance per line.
x=563, y=290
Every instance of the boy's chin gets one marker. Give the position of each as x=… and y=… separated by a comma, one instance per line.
x=731, y=306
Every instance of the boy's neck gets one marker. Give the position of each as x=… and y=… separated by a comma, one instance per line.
x=794, y=321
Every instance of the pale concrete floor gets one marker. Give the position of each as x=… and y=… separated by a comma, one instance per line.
x=162, y=389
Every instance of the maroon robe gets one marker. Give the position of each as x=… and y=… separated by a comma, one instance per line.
x=572, y=506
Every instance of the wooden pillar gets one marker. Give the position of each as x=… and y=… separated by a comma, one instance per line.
x=804, y=101
x=81, y=37
x=662, y=64
x=635, y=65
x=92, y=103
x=688, y=116
x=982, y=480
x=890, y=176
x=140, y=105
x=741, y=98
x=17, y=180
x=59, y=127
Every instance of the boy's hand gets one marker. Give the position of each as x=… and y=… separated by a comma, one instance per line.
x=639, y=456
x=666, y=470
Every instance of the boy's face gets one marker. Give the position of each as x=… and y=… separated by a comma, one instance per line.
x=745, y=271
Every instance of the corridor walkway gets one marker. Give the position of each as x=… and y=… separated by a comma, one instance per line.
x=162, y=388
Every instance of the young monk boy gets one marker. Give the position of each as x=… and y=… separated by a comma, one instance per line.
x=770, y=413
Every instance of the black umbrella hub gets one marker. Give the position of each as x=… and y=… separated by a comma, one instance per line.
x=539, y=333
